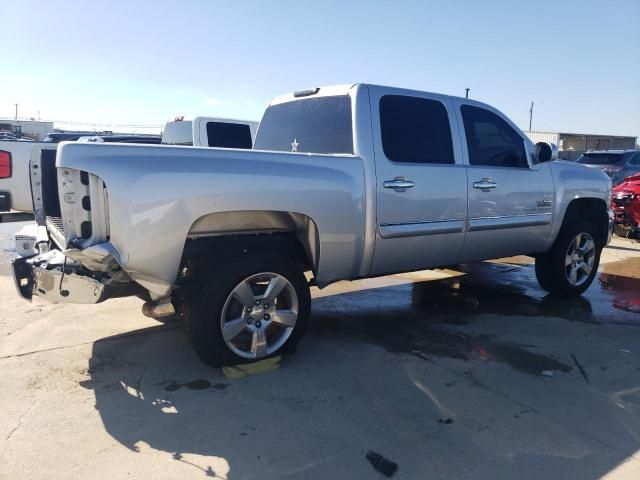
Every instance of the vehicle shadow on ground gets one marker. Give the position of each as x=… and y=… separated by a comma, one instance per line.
x=335, y=399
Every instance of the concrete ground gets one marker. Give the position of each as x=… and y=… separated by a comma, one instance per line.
x=440, y=372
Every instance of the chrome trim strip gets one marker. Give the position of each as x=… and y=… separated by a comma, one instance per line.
x=509, y=221
x=422, y=228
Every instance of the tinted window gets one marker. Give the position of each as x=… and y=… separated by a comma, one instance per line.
x=229, y=135
x=313, y=125
x=491, y=141
x=599, y=158
x=635, y=160
x=415, y=130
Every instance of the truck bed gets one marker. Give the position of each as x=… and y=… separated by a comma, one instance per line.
x=156, y=194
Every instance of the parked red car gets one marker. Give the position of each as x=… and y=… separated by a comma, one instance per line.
x=626, y=203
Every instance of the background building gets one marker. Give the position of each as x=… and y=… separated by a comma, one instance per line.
x=572, y=145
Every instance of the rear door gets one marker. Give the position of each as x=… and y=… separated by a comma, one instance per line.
x=420, y=179
x=510, y=196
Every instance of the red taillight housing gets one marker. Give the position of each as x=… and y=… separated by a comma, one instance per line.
x=5, y=164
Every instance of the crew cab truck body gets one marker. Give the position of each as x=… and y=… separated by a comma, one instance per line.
x=344, y=182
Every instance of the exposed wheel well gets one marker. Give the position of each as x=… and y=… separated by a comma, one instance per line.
x=216, y=237
x=593, y=209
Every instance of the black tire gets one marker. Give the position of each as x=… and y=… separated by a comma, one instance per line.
x=550, y=266
x=204, y=305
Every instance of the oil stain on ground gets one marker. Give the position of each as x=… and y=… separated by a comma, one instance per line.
x=423, y=311
x=427, y=338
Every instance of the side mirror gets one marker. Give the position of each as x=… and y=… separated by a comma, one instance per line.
x=545, y=152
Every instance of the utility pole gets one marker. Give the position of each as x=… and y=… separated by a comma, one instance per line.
x=466, y=92
x=38, y=115
x=530, y=115
x=16, y=105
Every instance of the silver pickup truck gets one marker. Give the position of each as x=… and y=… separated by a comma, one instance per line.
x=344, y=182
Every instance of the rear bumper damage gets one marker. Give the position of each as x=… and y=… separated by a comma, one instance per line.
x=58, y=278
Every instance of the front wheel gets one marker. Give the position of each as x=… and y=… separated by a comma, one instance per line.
x=252, y=308
x=569, y=268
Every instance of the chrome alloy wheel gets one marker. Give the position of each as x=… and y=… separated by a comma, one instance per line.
x=579, y=259
x=259, y=315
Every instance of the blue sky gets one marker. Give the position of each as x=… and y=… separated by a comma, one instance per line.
x=142, y=63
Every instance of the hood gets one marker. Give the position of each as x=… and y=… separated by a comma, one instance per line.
x=630, y=184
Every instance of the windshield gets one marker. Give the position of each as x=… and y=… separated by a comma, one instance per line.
x=599, y=158
x=178, y=133
x=314, y=125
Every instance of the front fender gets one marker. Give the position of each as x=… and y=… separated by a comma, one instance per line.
x=573, y=182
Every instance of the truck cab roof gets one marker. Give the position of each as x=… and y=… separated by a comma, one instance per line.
x=345, y=89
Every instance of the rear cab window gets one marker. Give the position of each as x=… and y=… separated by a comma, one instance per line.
x=178, y=133
x=599, y=158
x=312, y=125
x=491, y=141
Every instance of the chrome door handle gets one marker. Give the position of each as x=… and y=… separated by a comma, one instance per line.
x=398, y=184
x=485, y=184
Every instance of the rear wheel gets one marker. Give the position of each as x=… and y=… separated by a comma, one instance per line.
x=254, y=307
x=571, y=264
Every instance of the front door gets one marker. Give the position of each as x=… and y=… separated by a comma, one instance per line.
x=420, y=179
x=510, y=196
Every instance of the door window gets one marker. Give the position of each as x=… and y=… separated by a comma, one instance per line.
x=415, y=130
x=491, y=141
